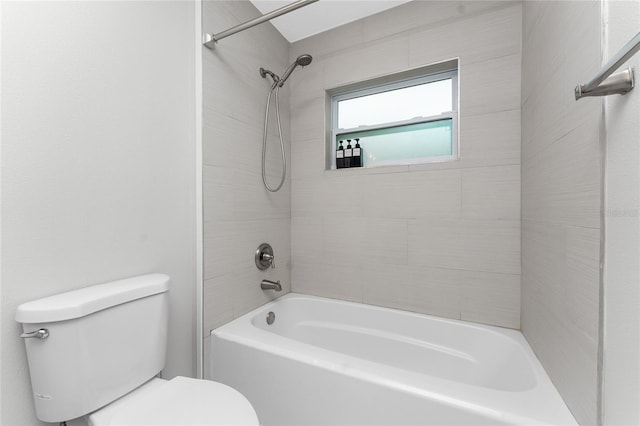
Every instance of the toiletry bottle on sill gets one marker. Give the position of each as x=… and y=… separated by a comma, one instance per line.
x=356, y=159
x=340, y=157
x=348, y=154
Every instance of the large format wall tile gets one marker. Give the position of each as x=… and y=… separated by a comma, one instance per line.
x=497, y=34
x=561, y=197
x=239, y=213
x=440, y=238
x=560, y=306
x=327, y=280
x=413, y=195
x=491, y=193
x=490, y=86
x=480, y=143
x=471, y=245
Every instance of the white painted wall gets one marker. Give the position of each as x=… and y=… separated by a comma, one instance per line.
x=441, y=238
x=621, y=390
x=561, y=194
x=97, y=162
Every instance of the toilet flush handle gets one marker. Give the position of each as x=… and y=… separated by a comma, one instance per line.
x=42, y=333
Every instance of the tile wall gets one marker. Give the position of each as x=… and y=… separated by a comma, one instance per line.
x=561, y=196
x=239, y=213
x=442, y=238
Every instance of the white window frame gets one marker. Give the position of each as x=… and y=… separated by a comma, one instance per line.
x=374, y=88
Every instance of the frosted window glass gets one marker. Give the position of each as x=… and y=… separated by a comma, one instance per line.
x=423, y=100
x=409, y=142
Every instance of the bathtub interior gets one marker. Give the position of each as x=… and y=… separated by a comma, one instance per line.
x=335, y=362
x=420, y=344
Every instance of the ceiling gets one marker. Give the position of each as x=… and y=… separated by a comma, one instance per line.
x=322, y=15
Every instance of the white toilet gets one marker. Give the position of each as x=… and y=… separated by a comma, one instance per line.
x=95, y=352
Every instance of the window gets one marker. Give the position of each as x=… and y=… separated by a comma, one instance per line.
x=408, y=118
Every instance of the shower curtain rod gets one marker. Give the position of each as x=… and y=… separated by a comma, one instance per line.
x=211, y=39
x=607, y=83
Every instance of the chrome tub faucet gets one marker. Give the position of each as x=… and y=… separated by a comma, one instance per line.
x=271, y=285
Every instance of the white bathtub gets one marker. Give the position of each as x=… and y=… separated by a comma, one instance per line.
x=328, y=362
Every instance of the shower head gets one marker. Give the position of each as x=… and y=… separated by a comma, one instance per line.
x=302, y=60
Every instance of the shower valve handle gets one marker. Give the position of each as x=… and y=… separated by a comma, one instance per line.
x=264, y=256
x=269, y=258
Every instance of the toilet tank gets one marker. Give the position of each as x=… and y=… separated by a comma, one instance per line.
x=103, y=341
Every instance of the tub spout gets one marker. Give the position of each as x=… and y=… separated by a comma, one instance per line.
x=270, y=285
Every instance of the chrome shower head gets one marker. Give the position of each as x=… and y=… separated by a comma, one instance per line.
x=302, y=60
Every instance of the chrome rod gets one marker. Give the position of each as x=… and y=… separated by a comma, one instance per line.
x=211, y=39
x=614, y=63
x=621, y=86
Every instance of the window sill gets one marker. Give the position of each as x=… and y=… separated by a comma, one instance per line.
x=400, y=168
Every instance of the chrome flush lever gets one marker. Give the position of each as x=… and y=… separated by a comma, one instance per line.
x=43, y=333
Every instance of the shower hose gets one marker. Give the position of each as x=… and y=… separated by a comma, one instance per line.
x=274, y=87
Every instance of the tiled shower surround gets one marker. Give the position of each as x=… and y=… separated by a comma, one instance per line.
x=441, y=238
x=239, y=213
x=561, y=196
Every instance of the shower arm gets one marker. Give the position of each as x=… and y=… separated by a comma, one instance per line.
x=274, y=77
x=211, y=39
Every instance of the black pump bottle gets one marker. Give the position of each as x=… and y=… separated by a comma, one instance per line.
x=340, y=157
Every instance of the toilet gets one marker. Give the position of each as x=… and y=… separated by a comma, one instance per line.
x=95, y=353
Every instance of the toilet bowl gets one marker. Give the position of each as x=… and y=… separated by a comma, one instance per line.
x=179, y=401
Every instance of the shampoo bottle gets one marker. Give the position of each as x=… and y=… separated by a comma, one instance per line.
x=356, y=160
x=348, y=154
x=340, y=157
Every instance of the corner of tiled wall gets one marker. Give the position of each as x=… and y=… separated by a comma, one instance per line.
x=239, y=213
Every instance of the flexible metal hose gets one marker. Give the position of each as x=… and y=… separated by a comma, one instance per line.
x=275, y=86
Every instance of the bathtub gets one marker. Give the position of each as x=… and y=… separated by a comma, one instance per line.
x=329, y=362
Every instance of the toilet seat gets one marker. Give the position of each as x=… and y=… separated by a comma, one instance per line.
x=185, y=401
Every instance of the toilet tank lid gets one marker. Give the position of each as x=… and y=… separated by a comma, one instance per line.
x=85, y=301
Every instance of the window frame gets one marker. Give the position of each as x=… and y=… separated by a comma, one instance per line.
x=375, y=86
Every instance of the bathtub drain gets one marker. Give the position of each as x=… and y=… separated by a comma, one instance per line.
x=271, y=317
